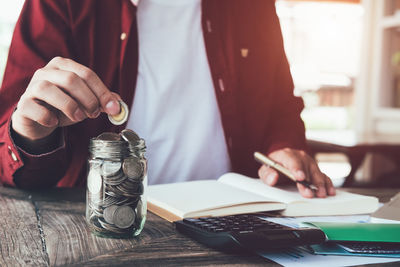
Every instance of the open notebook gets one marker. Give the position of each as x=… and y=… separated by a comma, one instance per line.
x=235, y=194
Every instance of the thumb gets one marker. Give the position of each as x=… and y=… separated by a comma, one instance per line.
x=110, y=103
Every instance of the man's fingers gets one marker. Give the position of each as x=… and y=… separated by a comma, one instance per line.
x=298, y=167
x=37, y=113
x=303, y=168
x=305, y=191
x=293, y=162
x=329, y=186
x=319, y=180
x=74, y=86
x=108, y=101
x=268, y=175
x=55, y=97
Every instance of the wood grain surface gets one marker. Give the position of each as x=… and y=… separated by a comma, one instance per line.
x=20, y=241
x=48, y=228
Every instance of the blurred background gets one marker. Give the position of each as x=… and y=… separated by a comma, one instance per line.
x=345, y=61
x=9, y=12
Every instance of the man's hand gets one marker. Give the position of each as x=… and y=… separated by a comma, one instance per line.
x=60, y=94
x=303, y=167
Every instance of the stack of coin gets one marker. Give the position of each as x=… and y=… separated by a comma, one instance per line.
x=117, y=176
x=136, y=144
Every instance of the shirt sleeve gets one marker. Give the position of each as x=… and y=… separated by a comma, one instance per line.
x=40, y=34
x=286, y=129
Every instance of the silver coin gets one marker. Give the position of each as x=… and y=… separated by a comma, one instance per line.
x=113, y=194
x=108, y=136
x=94, y=181
x=95, y=200
x=108, y=213
x=115, y=180
x=110, y=168
x=131, y=193
x=95, y=209
x=124, y=217
x=132, y=168
x=132, y=202
x=109, y=201
x=129, y=136
x=123, y=115
x=141, y=144
x=109, y=149
x=128, y=185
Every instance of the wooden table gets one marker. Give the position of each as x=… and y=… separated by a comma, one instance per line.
x=48, y=229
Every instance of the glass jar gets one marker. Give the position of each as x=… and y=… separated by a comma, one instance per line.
x=116, y=204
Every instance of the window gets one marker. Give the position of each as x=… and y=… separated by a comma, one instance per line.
x=9, y=12
x=323, y=43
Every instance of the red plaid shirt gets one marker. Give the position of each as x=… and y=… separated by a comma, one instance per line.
x=251, y=76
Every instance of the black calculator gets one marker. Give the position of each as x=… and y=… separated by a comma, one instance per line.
x=247, y=231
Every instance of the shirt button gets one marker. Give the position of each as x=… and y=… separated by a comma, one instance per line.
x=123, y=36
x=244, y=52
x=221, y=85
x=209, y=28
x=13, y=156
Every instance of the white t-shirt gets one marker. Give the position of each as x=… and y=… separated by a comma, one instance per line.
x=174, y=107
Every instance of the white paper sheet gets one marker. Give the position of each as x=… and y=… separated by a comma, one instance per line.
x=301, y=257
x=296, y=222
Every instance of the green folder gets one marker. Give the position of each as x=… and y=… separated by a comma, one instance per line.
x=371, y=232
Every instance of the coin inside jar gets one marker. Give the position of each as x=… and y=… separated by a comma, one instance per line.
x=122, y=116
x=124, y=217
x=108, y=136
x=108, y=213
x=116, y=181
x=132, y=168
x=94, y=181
x=129, y=136
x=110, y=168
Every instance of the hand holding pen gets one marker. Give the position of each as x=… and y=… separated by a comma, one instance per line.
x=273, y=164
x=297, y=166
